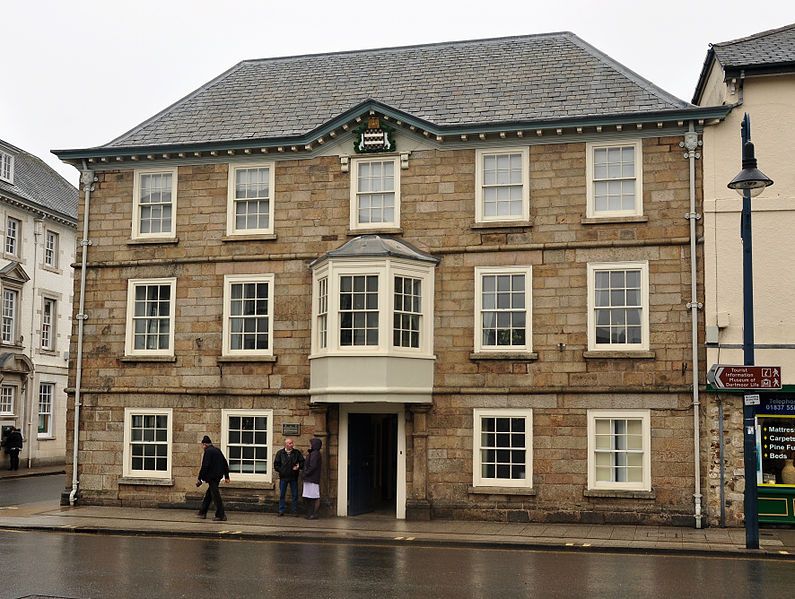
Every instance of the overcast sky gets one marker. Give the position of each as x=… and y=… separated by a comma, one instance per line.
x=79, y=73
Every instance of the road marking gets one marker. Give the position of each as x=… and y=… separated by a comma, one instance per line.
x=9, y=507
x=398, y=538
x=782, y=552
x=569, y=544
x=586, y=544
x=410, y=538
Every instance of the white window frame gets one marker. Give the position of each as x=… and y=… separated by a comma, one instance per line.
x=14, y=319
x=229, y=280
x=51, y=249
x=480, y=271
x=6, y=167
x=231, y=224
x=136, y=209
x=593, y=268
x=355, y=225
x=16, y=239
x=480, y=155
x=477, y=478
x=639, y=414
x=386, y=270
x=127, y=470
x=225, y=414
x=591, y=211
x=47, y=329
x=13, y=390
x=130, y=336
x=47, y=434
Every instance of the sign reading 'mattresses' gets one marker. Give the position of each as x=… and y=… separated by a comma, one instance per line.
x=723, y=376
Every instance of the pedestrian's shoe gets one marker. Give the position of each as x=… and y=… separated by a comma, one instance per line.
x=281, y=514
x=312, y=517
x=201, y=514
x=219, y=519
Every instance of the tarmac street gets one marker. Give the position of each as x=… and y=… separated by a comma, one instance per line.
x=81, y=566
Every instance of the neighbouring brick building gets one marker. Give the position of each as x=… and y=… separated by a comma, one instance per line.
x=466, y=267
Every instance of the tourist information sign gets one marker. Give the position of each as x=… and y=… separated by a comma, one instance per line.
x=724, y=376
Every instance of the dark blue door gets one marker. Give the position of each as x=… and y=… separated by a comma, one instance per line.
x=360, y=464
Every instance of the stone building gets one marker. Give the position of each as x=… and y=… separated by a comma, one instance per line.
x=754, y=75
x=465, y=266
x=38, y=208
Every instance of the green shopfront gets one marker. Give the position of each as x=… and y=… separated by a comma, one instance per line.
x=775, y=444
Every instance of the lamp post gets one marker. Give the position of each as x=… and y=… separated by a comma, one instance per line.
x=749, y=182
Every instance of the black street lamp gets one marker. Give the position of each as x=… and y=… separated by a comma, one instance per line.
x=749, y=182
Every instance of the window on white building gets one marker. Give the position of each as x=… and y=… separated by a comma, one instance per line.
x=248, y=314
x=48, y=319
x=619, y=445
x=502, y=448
x=150, y=316
x=154, y=204
x=8, y=332
x=503, y=309
x=615, y=186
x=358, y=313
x=8, y=395
x=618, y=306
x=407, y=317
x=147, y=442
x=6, y=167
x=46, y=398
x=51, y=249
x=13, y=228
x=322, y=312
x=250, y=200
x=502, y=191
x=375, y=193
x=247, y=441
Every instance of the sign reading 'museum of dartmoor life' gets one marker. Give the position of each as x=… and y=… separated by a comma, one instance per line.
x=723, y=376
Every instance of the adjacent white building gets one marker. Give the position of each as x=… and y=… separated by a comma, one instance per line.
x=38, y=215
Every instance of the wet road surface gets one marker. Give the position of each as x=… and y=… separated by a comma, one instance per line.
x=82, y=566
x=32, y=489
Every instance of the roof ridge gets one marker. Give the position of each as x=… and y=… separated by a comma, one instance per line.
x=629, y=73
x=412, y=46
x=754, y=36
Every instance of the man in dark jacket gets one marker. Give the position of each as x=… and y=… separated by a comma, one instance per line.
x=314, y=461
x=288, y=462
x=214, y=468
x=13, y=447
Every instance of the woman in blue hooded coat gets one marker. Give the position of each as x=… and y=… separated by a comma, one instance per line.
x=312, y=469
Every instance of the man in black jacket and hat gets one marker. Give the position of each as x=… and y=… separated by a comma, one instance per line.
x=214, y=468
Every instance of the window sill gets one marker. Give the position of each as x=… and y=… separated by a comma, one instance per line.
x=12, y=346
x=619, y=494
x=619, y=355
x=233, y=359
x=149, y=482
x=249, y=237
x=496, y=225
x=248, y=484
x=514, y=357
x=48, y=352
x=523, y=491
x=148, y=359
x=52, y=269
x=375, y=231
x=613, y=220
x=153, y=241
x=45, y=438
x=11, y=257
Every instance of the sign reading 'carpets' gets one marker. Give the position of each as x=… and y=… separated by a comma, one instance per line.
x=374, y=137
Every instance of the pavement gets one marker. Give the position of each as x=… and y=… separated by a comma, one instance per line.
x=384, y=529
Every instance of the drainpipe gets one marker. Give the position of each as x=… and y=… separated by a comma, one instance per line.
x=87, y=180
x=37, y=227
x=691, y=144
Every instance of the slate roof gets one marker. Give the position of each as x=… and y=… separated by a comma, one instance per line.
x=371, y=246
x=771, y=47
x=766, y=52
x=37, y=184
x=505, y=80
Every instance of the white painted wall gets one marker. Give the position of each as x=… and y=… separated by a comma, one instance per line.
x=49, y=367
x=770, y=102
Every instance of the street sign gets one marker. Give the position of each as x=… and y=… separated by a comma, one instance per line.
x=724, y=376
x=752, y=399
